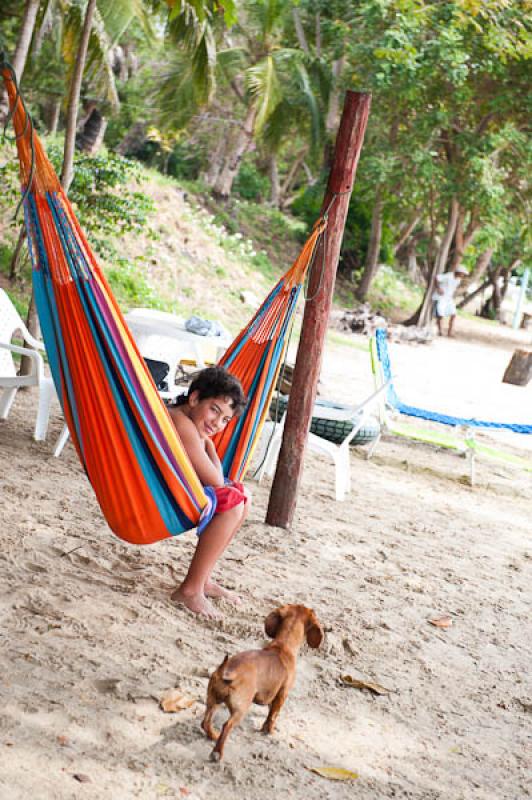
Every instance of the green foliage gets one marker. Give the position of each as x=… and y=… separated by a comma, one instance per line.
x=357, y=227
x=250, y=184
x=185, y=162
x=130, y=286
x=105, y=205
x=450, y=85
x=5, y=258
x=392, y=291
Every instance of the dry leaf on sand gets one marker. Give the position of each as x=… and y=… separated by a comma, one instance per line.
x=441, y=622
x=335, y=773
x=376, y=688
x=174, y=700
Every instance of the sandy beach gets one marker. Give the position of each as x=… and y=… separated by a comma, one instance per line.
x=90, y=640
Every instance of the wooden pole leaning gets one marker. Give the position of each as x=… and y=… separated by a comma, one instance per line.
x=283, y=497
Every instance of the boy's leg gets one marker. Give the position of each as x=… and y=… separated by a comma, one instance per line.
x=211, y=544
x=213, y=589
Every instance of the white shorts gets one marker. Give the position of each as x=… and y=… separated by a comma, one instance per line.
x=445, y=307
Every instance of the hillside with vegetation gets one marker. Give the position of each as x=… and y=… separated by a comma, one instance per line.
x=168, y=244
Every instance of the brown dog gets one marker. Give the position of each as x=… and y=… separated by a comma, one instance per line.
x=260, y=676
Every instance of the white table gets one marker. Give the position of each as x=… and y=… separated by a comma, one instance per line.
x=163, y=337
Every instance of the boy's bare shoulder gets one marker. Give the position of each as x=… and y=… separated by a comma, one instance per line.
x=183, y=424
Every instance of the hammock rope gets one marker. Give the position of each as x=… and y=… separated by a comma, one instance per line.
x=140, y=472
x=434, y=416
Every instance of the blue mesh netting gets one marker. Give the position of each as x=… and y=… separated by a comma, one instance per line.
x=434, y=416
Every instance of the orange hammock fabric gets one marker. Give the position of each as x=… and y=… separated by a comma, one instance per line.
x=131, y=452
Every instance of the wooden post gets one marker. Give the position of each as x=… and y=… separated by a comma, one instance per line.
x=349, y=140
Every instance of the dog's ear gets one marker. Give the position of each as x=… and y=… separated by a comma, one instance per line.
x=271, y=624
x=314, y=633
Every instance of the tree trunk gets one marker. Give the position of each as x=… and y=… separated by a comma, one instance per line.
x=290, y=178
x=67, y=172
x=467, y=299
x=90, y=138
x=333, y=110
x=405, y=233
x=17, y=254
x=462, y=239
x=318, y=35
x=300, y=33
x=414, y=271
x=492, y=306
x=53, y=113
x=275, y=197
x=133, y=140
x=519, y=370
x=21, y=52
x=481, y=265
x=216, y=161
x=224, y=182
x=423, y=315
x=372, y=257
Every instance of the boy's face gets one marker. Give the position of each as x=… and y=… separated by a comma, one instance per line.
x=210, y=415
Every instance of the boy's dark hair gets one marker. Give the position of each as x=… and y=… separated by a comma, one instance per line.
x=217, y=382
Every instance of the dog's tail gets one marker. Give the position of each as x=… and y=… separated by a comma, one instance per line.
x=226, y=673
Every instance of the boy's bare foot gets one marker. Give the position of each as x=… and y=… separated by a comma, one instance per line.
x=213, y=589
x=196, y=603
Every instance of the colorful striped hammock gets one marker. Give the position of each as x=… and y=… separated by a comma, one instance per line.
x=143, y=480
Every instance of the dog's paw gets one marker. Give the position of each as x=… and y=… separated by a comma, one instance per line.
x=215, y=756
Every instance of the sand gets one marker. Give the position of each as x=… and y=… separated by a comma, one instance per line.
x=90, y=640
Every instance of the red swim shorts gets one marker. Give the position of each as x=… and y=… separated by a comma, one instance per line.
x=229, y=496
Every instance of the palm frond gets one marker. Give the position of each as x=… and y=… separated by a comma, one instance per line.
x=311, y=104
x=117, y=16
x=203, y=10
x=263, y=84
x=178, y=96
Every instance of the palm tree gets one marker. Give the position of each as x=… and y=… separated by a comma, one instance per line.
x=268, y=82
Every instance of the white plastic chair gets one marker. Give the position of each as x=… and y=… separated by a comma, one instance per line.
x=272, y=437
x=10, y=382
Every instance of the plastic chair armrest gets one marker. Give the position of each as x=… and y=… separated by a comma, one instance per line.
x=364, y=409
x=33, y=342
x=26, y=351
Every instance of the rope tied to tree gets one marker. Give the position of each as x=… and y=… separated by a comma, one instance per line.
x=5, y=66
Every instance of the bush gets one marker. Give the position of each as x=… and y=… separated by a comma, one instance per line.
x=103, y=203
x=250, y=184
x=102, y=210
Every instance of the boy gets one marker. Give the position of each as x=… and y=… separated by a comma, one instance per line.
x=214, y=398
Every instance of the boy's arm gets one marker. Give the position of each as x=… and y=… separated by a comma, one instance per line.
x=210, y=449
x=209, y=473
